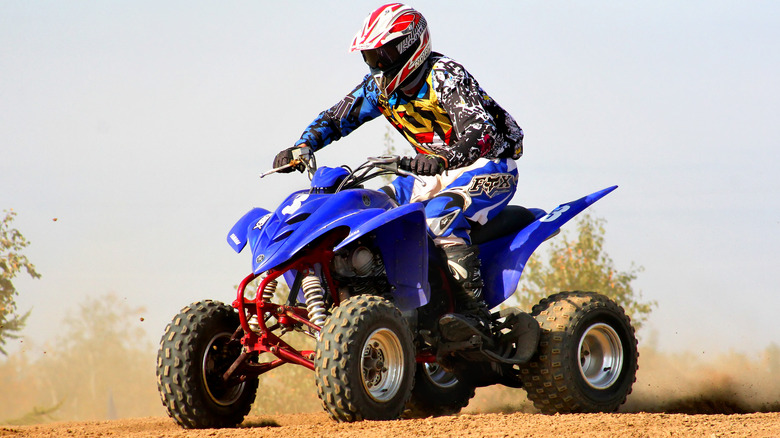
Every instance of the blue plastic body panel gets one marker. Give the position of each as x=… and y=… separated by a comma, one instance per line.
x=239, y=235
x=503, y=259
x=401, y=235
x=399, y=232
x=327, y=177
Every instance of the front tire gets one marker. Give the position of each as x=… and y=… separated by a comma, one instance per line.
x=364, y=362
x=587, y=357
x=194, y=353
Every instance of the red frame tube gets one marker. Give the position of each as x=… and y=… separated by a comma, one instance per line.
x=265, y=341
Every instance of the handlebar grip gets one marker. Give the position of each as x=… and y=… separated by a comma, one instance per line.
x=405, y=163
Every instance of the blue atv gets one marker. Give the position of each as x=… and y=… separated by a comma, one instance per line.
x=366, y=284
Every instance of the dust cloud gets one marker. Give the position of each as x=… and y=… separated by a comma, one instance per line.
x=93, y=380
x=683, y=383
x=730, y=384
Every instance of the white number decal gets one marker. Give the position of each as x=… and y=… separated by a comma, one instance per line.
x=295, y=205
x=555, y=214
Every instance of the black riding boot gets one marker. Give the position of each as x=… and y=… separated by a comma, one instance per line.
x=472, y=316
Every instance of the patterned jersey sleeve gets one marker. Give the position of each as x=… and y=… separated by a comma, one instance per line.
x=356, y=108
x=473, y=126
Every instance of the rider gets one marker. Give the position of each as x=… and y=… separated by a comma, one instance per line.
x=466, y=143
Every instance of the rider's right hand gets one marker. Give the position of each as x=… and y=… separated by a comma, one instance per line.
x=283, y=158
x=427, y=164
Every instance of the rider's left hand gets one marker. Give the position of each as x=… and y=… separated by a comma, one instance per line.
x=427, y=165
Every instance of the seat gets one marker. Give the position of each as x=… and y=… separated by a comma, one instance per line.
x=512, y=219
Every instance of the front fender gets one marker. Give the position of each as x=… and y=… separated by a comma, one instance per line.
x=265, y=259
x=314, y=219
x=238, y=236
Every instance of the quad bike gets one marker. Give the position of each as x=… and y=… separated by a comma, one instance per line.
x=367, y=284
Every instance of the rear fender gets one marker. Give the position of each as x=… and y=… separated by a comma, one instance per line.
x=503, y=259
x=401, y=236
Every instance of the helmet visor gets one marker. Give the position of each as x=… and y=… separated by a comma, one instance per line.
x=384, y=58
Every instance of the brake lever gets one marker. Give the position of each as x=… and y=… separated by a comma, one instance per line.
x=415, y=176
x=293, y=163
x=300, y=156
x=392, y=163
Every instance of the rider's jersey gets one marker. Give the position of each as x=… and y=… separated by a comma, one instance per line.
x=450, y=116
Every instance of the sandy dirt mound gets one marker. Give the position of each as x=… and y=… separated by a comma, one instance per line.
x=468, y=425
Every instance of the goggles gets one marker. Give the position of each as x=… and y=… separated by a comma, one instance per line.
x=384, y=58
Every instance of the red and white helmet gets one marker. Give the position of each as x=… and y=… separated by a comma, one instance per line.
x=394, y=42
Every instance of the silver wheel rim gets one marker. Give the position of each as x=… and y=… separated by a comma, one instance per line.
x=382, y=365
x=221, y=396
x=438, y=376
x=600, y=356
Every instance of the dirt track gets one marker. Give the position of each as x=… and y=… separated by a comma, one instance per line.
x=468, y=425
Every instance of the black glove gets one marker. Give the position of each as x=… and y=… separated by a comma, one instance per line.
x=283, y=158
x=427, y=165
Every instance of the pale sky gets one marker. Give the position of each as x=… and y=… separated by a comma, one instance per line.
x=142, y=126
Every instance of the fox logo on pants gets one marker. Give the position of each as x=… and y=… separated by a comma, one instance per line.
x=491, y=185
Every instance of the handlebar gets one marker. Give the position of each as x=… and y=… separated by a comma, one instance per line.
x=303, y=159
x=405, y=163
x=398, y=165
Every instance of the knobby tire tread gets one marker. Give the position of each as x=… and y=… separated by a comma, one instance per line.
x=178, y=368
x=429, y=400
x=339, y=388
x=552, y=379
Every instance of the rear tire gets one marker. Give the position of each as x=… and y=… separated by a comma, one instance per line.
x=194, y=353
x=364, y=362
x=436, y=393
x=587, y=357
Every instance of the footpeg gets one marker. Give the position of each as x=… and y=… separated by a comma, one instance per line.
x=519, y=344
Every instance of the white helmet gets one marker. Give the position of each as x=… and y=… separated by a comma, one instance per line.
x=394, y=42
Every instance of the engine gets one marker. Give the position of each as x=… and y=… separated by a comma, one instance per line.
x=359, y=270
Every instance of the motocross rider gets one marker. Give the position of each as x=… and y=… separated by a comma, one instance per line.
x=465, y=142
